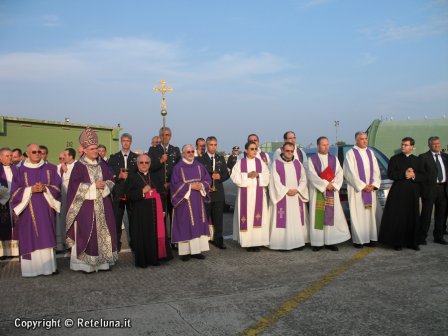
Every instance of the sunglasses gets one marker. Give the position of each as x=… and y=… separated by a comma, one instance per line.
x=189, y=152
x=61, y=159
x=143, y=162
x=288, y=150
x=252, y=148
x=36, y=152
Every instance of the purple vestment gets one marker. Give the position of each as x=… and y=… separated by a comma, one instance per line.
x=96, y=234
x=190, y=218
x=36, y=224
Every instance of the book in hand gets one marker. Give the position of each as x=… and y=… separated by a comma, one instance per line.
x=328, y=174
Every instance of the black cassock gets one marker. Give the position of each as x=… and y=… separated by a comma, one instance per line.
x=400, y=222
x=145, y=238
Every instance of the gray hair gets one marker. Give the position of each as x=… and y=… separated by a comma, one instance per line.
x=432, y=138
x=185, y=146
x=357, y=134
x=3, y=149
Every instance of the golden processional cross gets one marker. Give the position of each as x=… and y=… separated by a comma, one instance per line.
x=163, y=90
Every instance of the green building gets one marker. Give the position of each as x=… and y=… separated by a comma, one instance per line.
x=386, y=135
x=19, y=132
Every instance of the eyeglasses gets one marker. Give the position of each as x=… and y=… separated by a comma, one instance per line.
x=36, y=152
x=189, y=152
x=252, y=148
x=143, y=162
x=288, y=150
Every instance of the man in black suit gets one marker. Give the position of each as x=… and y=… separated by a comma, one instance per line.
x=233, y=158
x=121, y=163
x=217, y=168
x=434, y=190
x=163, y=158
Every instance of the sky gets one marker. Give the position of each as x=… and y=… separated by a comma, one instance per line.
x=236, y=67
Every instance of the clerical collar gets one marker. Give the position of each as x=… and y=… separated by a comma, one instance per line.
x=359, y=148
x=187, y=162
x=28, y=164
x=408, y=155
x=284, y=158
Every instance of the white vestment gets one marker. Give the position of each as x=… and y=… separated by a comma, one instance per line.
x=8, y=248
x=363, y=221
x=295, y=234
x=253, y=236
x=331, y=234
x=278, y=151
x=60, y=219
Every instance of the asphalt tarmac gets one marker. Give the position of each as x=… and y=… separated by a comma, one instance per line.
x=373, y=291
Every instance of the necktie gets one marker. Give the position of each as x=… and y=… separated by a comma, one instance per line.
x=439, y=169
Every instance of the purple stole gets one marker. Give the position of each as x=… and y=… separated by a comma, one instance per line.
x=329, y=195
x=281, y=205
x=258, y=198
x=262, y=155
x=299, y=155
x=366, y=196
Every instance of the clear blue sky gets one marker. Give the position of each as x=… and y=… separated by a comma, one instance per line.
x=237, y=67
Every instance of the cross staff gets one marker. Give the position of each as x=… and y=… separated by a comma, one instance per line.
x=163, y=89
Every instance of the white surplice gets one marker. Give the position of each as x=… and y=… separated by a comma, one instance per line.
x=363, y=221
x=331, y=234
x=258, y=236
x=295, y=234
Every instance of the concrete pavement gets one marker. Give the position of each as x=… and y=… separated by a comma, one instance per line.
x=383, y=292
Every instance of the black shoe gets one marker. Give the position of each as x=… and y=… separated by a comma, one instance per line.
x=445, y=232
x=219, y=245
x=358, y=246
x=198, y=256
x=55, y=272
x=185, y=257
x=414, y=247
x=398, y=248
x=371, y=244
x=316, y=248
x=423, y=242
x=3, y=258
x=301, y=248
x=255, y=249
x=332, y=247
x=174, y=247
x=440, y=241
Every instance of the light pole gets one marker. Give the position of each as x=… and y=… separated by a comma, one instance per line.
x=336, y=125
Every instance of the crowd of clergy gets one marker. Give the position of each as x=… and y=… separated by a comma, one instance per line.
x=174, y=200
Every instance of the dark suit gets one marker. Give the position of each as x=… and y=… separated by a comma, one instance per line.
x=232, y=159
x=433, y=195
x=157, y=171
x=215, y=208
x=116, y=163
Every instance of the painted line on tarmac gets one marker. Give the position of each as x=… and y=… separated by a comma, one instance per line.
x=288, y=306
